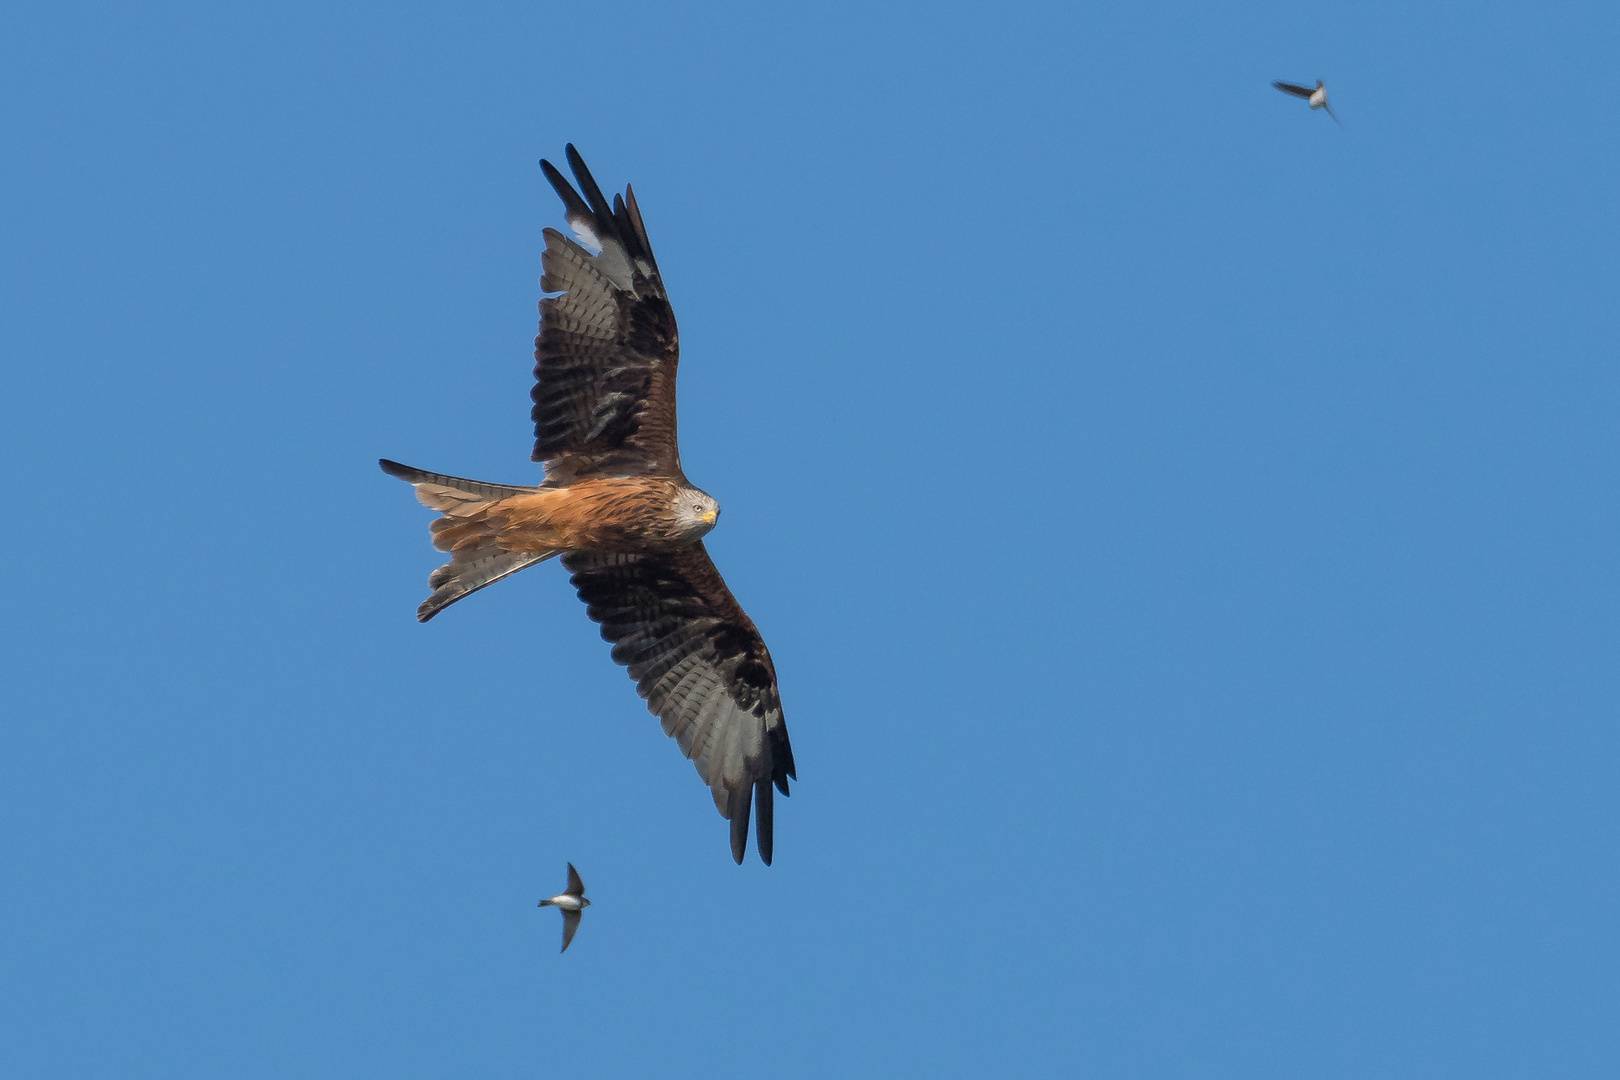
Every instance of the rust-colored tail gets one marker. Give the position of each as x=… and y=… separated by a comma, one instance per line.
x=468, y=531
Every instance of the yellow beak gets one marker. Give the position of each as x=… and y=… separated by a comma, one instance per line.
x=709, y=516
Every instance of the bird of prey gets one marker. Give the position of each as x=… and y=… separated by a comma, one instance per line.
x=616, y=508
x=1317, y=96
x=571, y=901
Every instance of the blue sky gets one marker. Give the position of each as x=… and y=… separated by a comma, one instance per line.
x=1185, y=529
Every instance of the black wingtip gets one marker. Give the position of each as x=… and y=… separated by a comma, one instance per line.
x=782, y=755
x=739, y=824
x=565, y=191
x=764, y=817
x=590, y=189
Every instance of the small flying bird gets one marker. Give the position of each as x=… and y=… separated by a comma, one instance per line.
x=616, y=510
x=1317, y=97
x=571, y=901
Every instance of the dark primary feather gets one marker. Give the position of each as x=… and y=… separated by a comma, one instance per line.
x=573, y=206
x=570, y=928
x=605, y=359
x=576, y=887
x=587, y=182
x=1297, y=91
x=704, y=670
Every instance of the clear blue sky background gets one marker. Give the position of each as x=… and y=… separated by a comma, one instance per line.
x=1186, y=531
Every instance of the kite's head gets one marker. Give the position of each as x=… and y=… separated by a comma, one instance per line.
x=695, y=512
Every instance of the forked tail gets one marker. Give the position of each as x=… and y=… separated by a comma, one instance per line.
x=467, y=531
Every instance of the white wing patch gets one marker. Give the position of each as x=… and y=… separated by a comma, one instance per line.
x=584, y=233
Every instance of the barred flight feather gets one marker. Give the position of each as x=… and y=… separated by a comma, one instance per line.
x=686, y=641
x=604, y=395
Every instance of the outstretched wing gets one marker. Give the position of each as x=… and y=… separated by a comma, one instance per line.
x=1297, y=91
x=604, y=394
x=576, y=887
x=704, y=670
x=570, y=927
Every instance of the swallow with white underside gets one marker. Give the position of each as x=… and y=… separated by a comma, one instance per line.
x=571, y=901
x=1316, y=96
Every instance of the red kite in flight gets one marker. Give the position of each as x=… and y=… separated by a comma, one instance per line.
x=618, y=510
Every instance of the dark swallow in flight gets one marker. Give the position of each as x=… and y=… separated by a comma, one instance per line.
x=571, y=901
x=1317, y=97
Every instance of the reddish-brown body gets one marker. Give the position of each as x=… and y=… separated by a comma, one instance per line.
x=602, y=514
x=608, y=514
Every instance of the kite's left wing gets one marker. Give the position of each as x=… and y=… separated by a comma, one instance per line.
x=704, y=670
x=604, y=363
